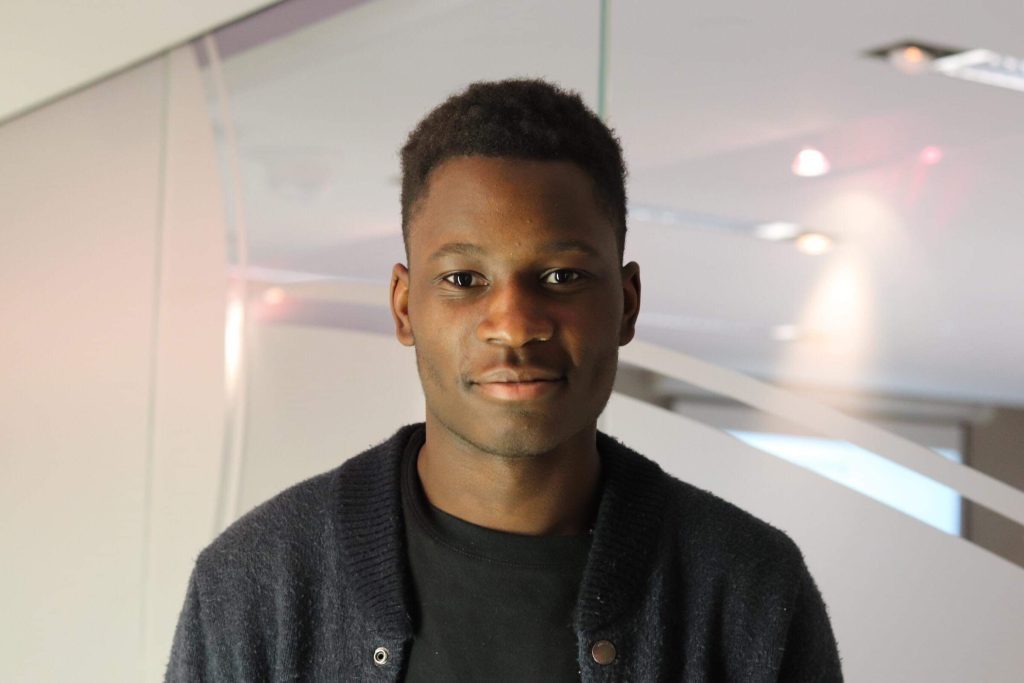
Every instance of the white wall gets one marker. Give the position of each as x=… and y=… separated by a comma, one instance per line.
x=318, y=396
x=80, y=198
x=111, y=384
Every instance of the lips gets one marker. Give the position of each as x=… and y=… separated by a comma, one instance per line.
x=505, y=375
x=519, y=383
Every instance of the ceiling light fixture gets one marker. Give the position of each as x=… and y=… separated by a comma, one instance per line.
x=810, y=163
x=977, y=65
x=785, y=332
x=910, y=59
x=777, y=231
x=814, y=243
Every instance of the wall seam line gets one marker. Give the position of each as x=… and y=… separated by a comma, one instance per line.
x=154, y=363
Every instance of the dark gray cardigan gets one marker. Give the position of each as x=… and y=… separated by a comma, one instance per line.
x=309, y=585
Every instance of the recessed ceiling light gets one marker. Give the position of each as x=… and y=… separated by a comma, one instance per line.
x=930, y=155
x=778, y=231
x=810, y=163
x=910, y=59
x=911, y=55
x=813, y=243
x=785, y=332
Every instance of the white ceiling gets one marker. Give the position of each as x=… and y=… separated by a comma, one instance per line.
x=50, y=47
x=924, y=295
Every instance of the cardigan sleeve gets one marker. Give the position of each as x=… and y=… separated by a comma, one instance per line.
x=811, y=652
x=189, y=661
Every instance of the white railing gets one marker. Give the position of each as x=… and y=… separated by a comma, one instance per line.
x=972, y=484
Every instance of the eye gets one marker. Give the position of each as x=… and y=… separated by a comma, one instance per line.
x=463, y=279
x=562, y=276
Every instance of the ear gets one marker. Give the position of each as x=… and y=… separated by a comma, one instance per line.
x=400, y=304
x=630, y=301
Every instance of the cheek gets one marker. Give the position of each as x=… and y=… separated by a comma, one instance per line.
x=597, y=348
x=605, y=363
x=431, y=359
x=593, y=336
x=438, y=348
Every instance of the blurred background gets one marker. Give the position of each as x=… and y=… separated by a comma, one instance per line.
x=199, y=214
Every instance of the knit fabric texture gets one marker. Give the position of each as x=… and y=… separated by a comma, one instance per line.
x=313, y=585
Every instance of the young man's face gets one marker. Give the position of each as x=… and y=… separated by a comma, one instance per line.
x=515, y=301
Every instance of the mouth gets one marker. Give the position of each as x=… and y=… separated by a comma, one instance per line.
x=519, y=383
x=520, y=391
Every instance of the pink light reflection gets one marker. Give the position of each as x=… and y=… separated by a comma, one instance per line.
x=930, y=155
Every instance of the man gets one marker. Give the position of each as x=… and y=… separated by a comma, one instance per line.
x=506, y=539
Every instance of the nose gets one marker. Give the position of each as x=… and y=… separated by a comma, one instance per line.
x=515, y=314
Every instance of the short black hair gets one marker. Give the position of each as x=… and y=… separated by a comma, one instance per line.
x=527, y=119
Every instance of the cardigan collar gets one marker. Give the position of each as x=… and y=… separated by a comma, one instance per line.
x=367, y=524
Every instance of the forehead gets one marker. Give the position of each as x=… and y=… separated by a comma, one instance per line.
x=504, y=203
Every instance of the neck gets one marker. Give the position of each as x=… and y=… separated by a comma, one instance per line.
x=546, y=494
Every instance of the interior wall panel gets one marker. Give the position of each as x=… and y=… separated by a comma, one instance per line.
x=318, y=396
x=79, y=203
x=189, y=392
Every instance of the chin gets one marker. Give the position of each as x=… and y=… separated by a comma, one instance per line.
x=520, y=445
x=520, y=437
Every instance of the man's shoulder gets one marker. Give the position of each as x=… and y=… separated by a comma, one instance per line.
x=723, y=531
x=300, y=524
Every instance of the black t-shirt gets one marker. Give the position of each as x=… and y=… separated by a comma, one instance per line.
x=487, y=605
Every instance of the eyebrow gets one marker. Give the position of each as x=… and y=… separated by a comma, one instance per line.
x=554, y=247
x=460, y=248
x=579, y=246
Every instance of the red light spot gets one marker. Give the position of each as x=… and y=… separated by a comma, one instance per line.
x=930, y=155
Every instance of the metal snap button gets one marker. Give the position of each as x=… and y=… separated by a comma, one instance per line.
x=603, y=652
x=381, y=656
